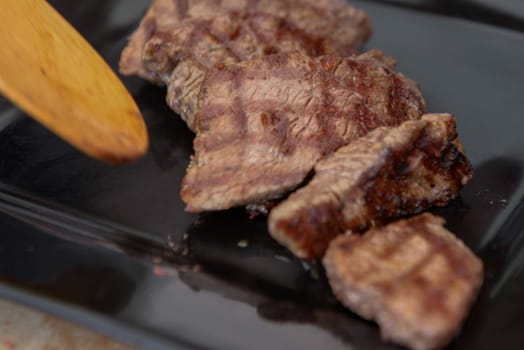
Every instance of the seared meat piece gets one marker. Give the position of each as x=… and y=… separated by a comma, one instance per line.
x=413, y=277
x=229, y=38
x=263, y=124
x=390, y=172
x=233, y=30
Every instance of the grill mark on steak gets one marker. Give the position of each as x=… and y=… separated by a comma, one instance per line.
x=413, y=277
x=149, y=27
x=455, y=261
x=311, y=44
x=239, y=109
x=268, y=48
x=435, y=296
x=223, y=40
x=387, y=174
x=296, y=110
x=364, y=117
x=182, y=6
x=278, y=125
x=252, y=5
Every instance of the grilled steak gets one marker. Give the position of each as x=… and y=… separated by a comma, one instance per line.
x=225, y=31
x=229, y=38
x=390, y=172
x=263, y=124
x=413, y=277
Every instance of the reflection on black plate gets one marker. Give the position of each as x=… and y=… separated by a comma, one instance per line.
x=218, y=281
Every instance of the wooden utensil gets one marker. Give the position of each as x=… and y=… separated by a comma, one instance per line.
x=52, y=73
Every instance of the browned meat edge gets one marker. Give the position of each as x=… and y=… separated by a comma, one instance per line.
x=389, y=173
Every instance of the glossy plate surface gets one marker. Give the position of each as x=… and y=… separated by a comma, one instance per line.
x=111, y=247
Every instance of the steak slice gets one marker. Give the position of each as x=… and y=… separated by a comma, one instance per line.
x=389, y=173
x=263, y=124
x=188, y=26
x=413, y=277
x=228, y=38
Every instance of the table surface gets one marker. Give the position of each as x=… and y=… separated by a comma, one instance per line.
x=24, y=328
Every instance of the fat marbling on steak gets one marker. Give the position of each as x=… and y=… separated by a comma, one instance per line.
x=263, y=124
x=413, y=277
x=389, y=173
x=225, y=31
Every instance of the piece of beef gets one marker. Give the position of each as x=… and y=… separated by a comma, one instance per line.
x=229, y=38
x=389, y=173
x=264, y=123
x=233, y=30
x=413, y=277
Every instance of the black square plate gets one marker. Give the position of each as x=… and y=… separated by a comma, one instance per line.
x=112, y=248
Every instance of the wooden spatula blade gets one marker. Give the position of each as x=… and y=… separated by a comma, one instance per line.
x=52, y=73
